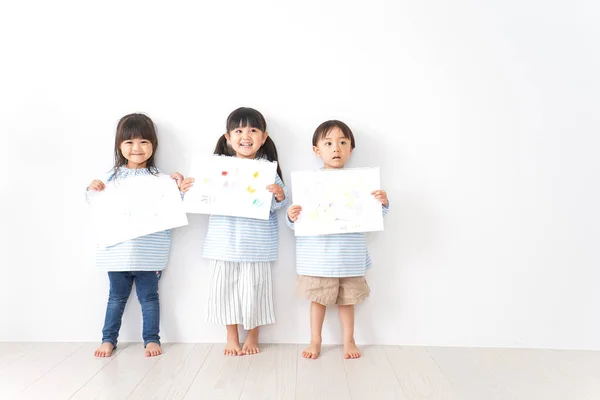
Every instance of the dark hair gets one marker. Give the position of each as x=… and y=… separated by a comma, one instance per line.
x=242, y=117
x=326, y=127
x=135, y=126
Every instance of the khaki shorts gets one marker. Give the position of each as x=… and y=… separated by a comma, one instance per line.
x=329, y=291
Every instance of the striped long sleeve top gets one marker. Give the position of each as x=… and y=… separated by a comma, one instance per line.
x=240, y=239
x=146, y=253
x=338, y=255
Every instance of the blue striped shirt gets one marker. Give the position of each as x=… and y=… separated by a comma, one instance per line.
x=240, y=239
x=146, y=253
x=338, y=255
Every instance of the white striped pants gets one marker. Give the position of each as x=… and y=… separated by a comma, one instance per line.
x=241, y=293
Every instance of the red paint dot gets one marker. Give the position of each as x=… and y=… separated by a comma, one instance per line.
x=224, y=173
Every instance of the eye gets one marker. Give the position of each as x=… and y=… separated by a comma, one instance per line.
x=343, y=142
x=327, y=143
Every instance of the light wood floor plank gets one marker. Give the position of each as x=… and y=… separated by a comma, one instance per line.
x=467, y=375
x=221, y=377
x=51, y=371
x=581, y=369
x=10, y=352
x=544, y=374
x=173, y=374
x=272, y=373
x=121, y=376
x=419, y=376
x=32, y=366
x=67, y=377
x=323, y=378
x=372, y=377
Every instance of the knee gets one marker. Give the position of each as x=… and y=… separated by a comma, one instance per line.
x=150, y=298
x=117, y=300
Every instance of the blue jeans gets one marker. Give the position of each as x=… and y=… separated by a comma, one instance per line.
x=146, y=287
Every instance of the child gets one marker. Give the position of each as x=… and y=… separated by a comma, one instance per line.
x=141, y=259
x=331, y=268
x=241, y=249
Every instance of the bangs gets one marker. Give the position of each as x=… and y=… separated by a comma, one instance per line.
x=136, y=127
x=323, y=130
x=243, y=117
x=323, y=134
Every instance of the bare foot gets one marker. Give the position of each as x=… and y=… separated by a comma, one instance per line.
x=105, y=350
x=232, y=348
x=251, y=343
x=152, y=349
x=312, y=351
x=350, y=350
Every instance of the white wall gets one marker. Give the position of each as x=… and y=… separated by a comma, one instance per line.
x=483, y=117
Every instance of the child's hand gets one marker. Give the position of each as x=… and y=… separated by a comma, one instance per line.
x=178, y=178
x=294, y=212
x=186, y=184
x=381, y=195
x=96, y=186
x=277, y=192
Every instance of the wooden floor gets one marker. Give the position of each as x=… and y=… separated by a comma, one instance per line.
x=200, y=371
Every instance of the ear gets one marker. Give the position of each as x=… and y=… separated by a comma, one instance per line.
x=264, y=138
x=226, y=136
x=316, y=150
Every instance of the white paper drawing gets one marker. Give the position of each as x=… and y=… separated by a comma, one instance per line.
x=337, y=201
x=134, y=207
x=231, y=186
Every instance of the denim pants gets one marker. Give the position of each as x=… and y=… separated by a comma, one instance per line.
x=146, y=287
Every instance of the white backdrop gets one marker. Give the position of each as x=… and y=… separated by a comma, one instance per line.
x=483, y=118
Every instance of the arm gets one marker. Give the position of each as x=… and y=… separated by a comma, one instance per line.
x=280, y=194
x=385, y=209
x=96, y=186
x=183, y=184
x=381, y=196
x=292, y=215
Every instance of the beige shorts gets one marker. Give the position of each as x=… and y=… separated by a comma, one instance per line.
x=329, y=291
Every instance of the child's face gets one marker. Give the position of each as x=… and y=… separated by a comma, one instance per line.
x=246, y=141
x=334, y=149
x=137, y=152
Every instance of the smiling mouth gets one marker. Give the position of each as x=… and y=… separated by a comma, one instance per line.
x=245, y=144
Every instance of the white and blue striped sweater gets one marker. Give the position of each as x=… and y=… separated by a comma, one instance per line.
x=146, y=253
x=339, y=255
x=240, y=239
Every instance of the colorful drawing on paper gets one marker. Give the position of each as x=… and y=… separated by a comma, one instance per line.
x=231, y=186
x=337, y=201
